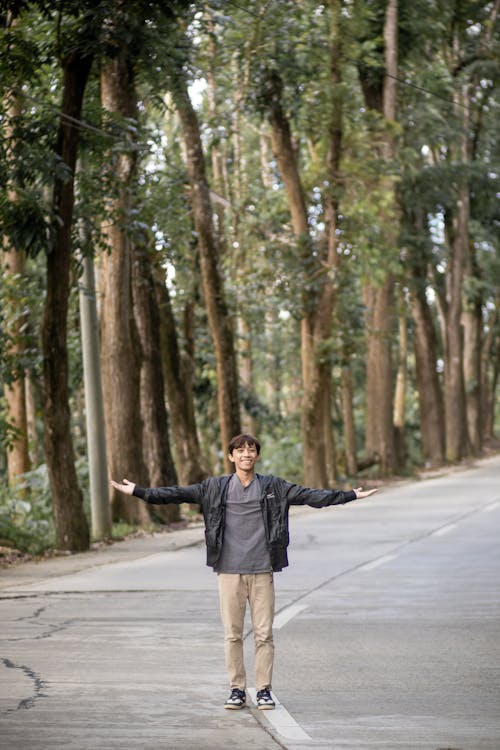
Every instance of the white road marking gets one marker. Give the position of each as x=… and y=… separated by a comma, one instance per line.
x=444, y=530
x=286, y=615
x=280, y=719
x=377, y=562
x=491, y=507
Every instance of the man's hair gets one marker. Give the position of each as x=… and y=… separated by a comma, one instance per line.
x=241, y=440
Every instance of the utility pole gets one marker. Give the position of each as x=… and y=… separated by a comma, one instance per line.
x=94, y=407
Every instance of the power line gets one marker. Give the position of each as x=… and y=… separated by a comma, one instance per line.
x=419, y=88
x=71, y=120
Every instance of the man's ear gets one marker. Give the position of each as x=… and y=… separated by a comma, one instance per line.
x=230, y=456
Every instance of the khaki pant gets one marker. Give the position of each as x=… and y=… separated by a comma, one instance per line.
x=234, y=591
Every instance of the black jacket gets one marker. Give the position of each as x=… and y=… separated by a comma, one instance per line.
x=277, y=495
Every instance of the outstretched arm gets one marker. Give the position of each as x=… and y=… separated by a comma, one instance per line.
x=298, y=495
x=193, y=493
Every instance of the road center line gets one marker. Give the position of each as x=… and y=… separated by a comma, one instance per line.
x=379, y=561
x=444, y=530
x=286, y=615
x=280, y=719
x=491, y=507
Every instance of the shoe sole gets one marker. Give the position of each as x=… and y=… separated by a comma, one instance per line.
x=266, y=708
x=235, y=708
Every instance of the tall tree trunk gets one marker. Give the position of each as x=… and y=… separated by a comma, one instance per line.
x=156, y=440
x=401, y=381
x=490, y=359
x=491, y=399
x=348, y=418
x=120, y=345
x=457, y=240
x=217, y=161
x=72, y=531
x=219, y=319
x=379, y=298
x=425, y=347
x=240, y=266
x=13, y=264
x=472, y=315
x=457, y=441
x=18, y=461
x=429, y=393
x=246, y=376
x=316, y=428
x=379, y=389
x=472, y=326
x=228, y=234
x=178, y=381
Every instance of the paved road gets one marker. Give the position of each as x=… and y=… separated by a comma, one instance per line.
x=387, y=635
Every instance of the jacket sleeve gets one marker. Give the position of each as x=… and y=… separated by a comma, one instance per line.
x=298, y=495
x=192, y=493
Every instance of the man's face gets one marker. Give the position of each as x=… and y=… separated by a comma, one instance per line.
x=244, y=458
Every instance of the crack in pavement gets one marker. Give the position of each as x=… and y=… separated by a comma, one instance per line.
x=47, y=634
x=33, y=616
x=54, y=629
x=38, y=683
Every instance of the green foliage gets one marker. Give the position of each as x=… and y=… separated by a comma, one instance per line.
x=26, y=513
x=21, y=299
x=26, y=519
x=281, y=452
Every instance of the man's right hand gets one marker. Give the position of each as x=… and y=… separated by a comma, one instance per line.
x=126, y=487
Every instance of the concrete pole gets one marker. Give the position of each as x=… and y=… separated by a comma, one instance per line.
x=94, y=408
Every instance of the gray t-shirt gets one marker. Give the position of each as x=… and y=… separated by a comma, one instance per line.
x=244, y=549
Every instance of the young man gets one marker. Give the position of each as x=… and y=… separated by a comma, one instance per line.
x=246, y=533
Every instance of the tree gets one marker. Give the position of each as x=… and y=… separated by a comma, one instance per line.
x=220, y=321
x=156, y=441
x=380, y=95
x=71, y=524
x=425, y=341
x=120, y=344
x=178, y=369
x=18, y=462
x=13, y=266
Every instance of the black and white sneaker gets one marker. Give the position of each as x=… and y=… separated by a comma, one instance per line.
x=236, y=700
x=264, y=699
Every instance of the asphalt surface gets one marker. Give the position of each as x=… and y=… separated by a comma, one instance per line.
x=387, y=635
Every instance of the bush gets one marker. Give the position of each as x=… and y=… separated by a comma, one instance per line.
x=26, y=513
